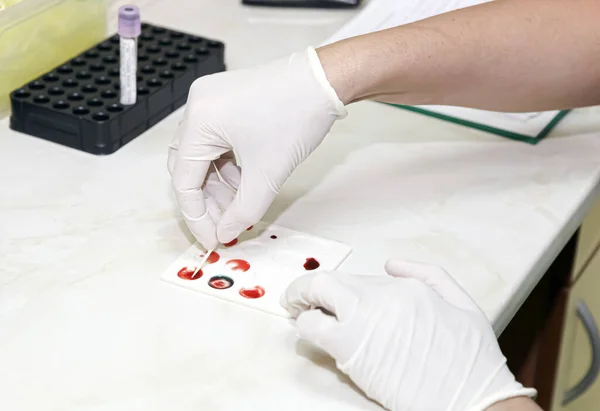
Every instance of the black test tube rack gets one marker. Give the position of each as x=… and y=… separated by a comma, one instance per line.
x=77, y=103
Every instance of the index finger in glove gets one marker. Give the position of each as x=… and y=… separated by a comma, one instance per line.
x=436, y=278
x=319, y=290
x=188, y=173
x=190, y=198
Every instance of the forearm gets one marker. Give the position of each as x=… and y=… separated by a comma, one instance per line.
x=515, y=404
x=507, y=55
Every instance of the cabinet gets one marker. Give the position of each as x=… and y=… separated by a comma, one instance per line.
x=579, y=359
x=552, y=343
x=588, y=241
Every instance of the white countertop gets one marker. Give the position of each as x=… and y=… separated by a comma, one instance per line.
x=86, y=324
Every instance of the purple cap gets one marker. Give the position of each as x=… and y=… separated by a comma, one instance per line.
x=129, y=21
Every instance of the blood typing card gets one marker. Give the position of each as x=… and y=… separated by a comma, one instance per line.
x=255, y=269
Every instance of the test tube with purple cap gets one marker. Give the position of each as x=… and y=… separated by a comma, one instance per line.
x=130, y=28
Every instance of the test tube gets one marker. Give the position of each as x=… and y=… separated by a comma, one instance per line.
x=130, y=28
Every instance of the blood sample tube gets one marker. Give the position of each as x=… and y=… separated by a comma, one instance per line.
x=130, y=28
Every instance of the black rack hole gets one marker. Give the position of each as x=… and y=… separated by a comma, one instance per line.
x=61, y=105
x=194, y=39
x=115, y=108
x=172, y=54
x=160, y=62
x=36, y=85
x=158, y=30
x=75, y=97
x=97, y=67
x=114, y=72
x=153, y=48
x=147, y=37
x=80, y=111
x=142, y=57
x=176, y=35
x=41, y=98
x=105, y=46
x=117, y=86
x=100, y=116
x=70, y=83
x=147, y=69
x=95, y=102
x=51, y=77
x=89, y=88
x=145, y=26
x=166, y=74
x=102, y=80
x=184, y=46
x=65, y=69
x=179, y=66
x=110, y=59
x=202, y=50
x=56, y=91
x=115, y=39
x=190, y=58
x=91, y=54
x=109, y=94
x=78, y=62
x=83, y=75
x=139, y=78
x=22, y=93
x=142, y=91
x=154, y=82
x=165, y=41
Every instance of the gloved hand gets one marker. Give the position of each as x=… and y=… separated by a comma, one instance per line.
x=271, y=117
x=413, y=340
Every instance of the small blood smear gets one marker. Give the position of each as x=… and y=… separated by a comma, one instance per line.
x=255, y=292
x=186, y=273
x=232, y=242
x=273, y=237
x=238, y=265
x=311, y=264
x=220, y=282
x=212, y=258
x=249, y=228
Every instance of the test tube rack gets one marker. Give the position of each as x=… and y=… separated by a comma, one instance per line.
x=77, y=103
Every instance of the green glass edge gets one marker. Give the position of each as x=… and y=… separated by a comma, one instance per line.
x=489, y=129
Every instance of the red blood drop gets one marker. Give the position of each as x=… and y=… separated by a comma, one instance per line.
x=273, y=237
x=238, y=265
x=311, y=264
x=255, y=292
x=249, y=228
x=212, y=258
x=232, y=242
x=186, y=273
x=220, y=284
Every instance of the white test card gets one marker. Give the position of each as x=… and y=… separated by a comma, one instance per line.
x=255, y=270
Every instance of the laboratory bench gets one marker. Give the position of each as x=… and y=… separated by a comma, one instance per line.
x=86, y=324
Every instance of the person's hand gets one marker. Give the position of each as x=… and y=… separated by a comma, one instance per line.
x=271, y=117
x=412, y=340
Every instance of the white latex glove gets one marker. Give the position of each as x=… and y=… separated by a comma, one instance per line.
x=272, y=117
x=413, y=340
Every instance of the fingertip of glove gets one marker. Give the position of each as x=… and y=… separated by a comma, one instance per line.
x=411, y=269
x=397, y=268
